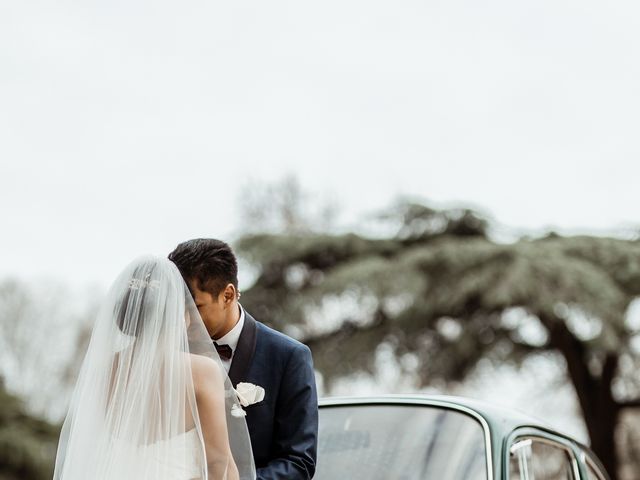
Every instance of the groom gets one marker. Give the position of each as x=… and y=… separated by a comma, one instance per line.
x=284, y=426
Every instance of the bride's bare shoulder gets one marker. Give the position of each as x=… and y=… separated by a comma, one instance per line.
x=205, y=369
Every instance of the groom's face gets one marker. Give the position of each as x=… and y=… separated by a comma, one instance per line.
x=213, y=310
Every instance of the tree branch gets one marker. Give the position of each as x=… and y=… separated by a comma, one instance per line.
x=635, y=403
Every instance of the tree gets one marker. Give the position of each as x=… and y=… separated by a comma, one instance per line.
x=27, y=444
x=45, y=331
x=443, y=292
x=284, y=206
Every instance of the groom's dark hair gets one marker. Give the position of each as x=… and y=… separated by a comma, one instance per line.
x=207, y=261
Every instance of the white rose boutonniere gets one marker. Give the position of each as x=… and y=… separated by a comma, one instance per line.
x=248, y=394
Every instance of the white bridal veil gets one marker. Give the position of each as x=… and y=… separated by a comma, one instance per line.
x=134, y=414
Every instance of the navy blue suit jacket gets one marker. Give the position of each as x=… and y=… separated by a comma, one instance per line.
x=284, y=426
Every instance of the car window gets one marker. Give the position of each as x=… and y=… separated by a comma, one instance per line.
x=398, y=442
x=541, y=459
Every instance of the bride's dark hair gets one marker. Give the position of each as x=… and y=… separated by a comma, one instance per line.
x=209, y=262
x=130, y=307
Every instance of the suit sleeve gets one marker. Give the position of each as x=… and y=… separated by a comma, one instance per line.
x=296, y=422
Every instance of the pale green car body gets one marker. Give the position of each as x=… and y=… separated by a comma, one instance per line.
x=444, y=438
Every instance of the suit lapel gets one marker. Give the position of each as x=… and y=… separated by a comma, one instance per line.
x=244, y=350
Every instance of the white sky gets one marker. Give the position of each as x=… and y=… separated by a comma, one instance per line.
x=128, y=126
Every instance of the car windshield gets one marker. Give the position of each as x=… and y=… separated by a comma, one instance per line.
x=398, y=442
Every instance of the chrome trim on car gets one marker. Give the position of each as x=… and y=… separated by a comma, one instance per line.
x=520, y=444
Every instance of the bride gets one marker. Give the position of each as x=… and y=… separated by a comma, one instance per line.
x=152, y=399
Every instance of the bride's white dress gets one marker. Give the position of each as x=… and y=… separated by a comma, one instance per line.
x=135, y=394
x=177, y=458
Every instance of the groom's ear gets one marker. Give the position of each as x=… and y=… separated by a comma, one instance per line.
x=229, y=294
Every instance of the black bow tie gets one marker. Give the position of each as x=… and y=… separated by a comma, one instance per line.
x=224, y=351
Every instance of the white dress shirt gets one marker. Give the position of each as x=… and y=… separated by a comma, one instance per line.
x=231, y=339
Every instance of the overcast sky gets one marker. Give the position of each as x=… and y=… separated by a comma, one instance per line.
x=128, y=126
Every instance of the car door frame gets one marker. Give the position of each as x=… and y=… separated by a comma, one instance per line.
x=545, y=436
x=586, y=456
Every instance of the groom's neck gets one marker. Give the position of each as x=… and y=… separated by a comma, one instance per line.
x=232, y=320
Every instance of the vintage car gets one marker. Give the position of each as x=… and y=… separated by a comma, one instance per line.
x=443, y=438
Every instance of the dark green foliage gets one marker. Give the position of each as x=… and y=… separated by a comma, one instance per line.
x=471, y=280
x=27, y=444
